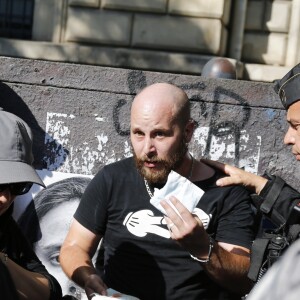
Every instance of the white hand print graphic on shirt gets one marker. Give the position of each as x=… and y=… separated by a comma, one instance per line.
x=142, y=222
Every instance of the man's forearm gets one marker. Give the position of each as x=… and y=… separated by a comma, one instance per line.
x=229, y=269
x=76, y=264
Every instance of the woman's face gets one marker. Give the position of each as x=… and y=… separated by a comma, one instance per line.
x=6, y=199
x=54, y=227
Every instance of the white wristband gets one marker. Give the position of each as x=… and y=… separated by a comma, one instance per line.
x=205, y=261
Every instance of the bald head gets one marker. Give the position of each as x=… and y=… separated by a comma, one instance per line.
x=160, y=130
x=166, y=98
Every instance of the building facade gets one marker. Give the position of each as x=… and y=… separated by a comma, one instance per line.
x=179, y=36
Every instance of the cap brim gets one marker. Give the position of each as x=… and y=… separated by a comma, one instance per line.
x=15, y=171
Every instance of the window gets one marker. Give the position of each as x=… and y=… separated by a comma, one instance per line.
x=16, y=18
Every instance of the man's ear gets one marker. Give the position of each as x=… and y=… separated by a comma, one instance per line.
x=189, y=130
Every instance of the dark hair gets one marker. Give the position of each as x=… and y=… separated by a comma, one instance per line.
x=56, y=193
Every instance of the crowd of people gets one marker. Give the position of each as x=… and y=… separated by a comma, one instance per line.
x=158, y=252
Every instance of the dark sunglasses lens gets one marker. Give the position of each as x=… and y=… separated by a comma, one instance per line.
x=20, y=188
x=3, y=187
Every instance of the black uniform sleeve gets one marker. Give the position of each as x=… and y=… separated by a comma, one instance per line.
x=279, y=202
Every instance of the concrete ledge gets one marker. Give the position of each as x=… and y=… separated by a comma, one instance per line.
x=128, y=58
x=158, y=6
x=91, y=77
x=84, y=3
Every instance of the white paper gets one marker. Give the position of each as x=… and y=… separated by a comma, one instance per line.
x=180, y=187
x=113, y=294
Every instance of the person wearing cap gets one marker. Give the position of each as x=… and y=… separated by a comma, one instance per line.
x=22, y=275
x=277, y=200
x=283, y=205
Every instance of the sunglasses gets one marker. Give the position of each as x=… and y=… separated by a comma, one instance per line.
x=19, y=188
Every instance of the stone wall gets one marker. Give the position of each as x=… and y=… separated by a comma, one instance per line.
x=190, y=26
x=80, y=115
x=267, y=31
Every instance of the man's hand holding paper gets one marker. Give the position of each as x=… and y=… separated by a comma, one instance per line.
x=178, y=200
x=181, y=188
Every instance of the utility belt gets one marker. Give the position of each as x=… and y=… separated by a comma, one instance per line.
x=280, y=204
x=268, y=248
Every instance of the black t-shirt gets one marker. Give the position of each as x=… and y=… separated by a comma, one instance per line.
x=140, y=258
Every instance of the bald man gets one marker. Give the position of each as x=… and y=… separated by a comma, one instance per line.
x=150, y=255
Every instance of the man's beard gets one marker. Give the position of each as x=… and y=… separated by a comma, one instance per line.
x=166, y=165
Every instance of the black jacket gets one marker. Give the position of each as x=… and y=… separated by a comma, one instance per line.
x=18, y=249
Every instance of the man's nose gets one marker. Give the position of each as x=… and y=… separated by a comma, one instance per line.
x=289, y=138
x=149, y=147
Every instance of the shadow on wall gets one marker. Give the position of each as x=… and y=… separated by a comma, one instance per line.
x=10, y=101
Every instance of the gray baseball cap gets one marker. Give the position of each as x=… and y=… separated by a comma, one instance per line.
x=288, y=87
x=16, y=156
